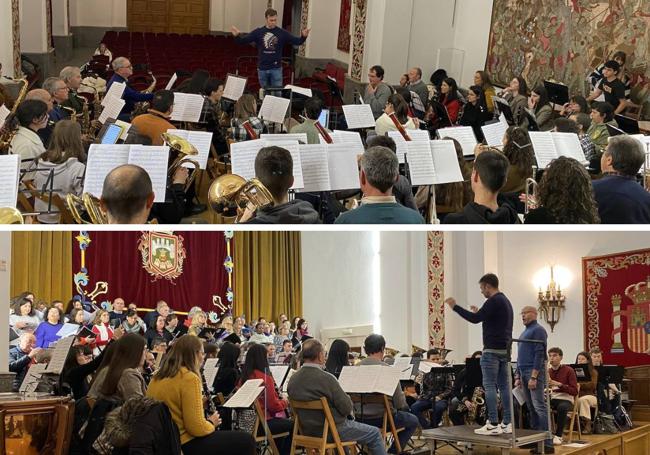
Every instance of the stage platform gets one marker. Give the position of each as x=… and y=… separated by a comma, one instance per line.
x=466, y=435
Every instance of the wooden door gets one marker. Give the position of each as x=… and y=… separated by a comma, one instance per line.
x=147, y=15
x=189, y=16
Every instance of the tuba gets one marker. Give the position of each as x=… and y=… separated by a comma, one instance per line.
x=11, y=215
x=183, y=150
x=231, y=192
x=87, y=204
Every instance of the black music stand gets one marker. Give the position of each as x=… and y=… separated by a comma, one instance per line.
x=610, y=374
x=614, y=131
x=557, y=93
x=532, y=121
x=504, y=108
x=582, y=371
x=627, y=124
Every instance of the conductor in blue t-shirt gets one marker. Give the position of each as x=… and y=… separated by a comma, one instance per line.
x=270, y=40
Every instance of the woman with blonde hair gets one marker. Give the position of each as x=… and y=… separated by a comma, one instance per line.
x=60, y=168
x=102, y=329
x=199, y=322
x=177, y=383
x=246, y=111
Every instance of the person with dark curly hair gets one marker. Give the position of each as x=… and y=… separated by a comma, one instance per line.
x=564, y=195
x=519, y=151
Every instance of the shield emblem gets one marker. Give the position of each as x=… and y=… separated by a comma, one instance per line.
x=638, y=327
x=162, y=254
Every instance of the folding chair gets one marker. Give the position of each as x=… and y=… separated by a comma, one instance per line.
x=266, y=437
x=388, y=423
x=575, y=418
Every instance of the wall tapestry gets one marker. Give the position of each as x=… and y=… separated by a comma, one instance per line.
x=343, y=43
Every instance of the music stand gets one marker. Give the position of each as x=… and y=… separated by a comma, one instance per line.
x=582, y=371
x=473, y=373
x=504, y=108
x=532, y=121
x=627, y=124
x=441, y=113
x=610, y=374
x=557, y=93
x=613, y=131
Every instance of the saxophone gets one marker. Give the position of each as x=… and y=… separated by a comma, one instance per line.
x=143, y=107
x=478, y=400
x=85, y=119
x=7, y=132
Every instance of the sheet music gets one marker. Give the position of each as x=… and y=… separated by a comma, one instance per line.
x=495, y=132
x=114, y=92
x=112, y=109
x=187, y=107
x=274, y=109
x=415, y=135
x=420, y=162
x=347, y=137
x=201, y=140
x=315, y=168
x=68, y=330
x=125, y=131
x=403, y=364
x=4, y=113
x=292, y=147
x=544, y=147
x=246, y=395
x=32, y=378
x=61, y=349
x=210, y=370
x=171, y=82
x=520, y=396
x=234, y=88
x=343, y=167
x=425, y=366
x=102, y=159
x=568, y=144
x=278, y=372
x=358, y=116
x=445, y=162
x=9, y=180
x=243, y=156
x=301, y=90
x=286, y=383
x=153, y=160
x=369, y=379
x=464, y=135
x=274, y=138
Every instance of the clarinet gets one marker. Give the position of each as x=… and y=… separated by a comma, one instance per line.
x=210, y=408
x=400, y=127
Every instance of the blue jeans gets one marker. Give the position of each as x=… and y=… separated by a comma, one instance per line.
x=495, y=369
x=536, y=401
x=366, y=435
x=270, y=78
x=402, y=419
x=438, y=408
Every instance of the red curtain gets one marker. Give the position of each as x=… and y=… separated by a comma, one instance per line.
x=114, y=257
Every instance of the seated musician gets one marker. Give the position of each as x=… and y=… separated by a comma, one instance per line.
x=21, y=357
x=229, y=373
x=127, y=195
x=417, y=85
x=214, y=114
x=313, y=109
x=521, y=156
x=606, y=394
x=450, y=99
x=577, y=105
x=516, y=94
x=397, y=106
x=601, y=115
x=177, y=383
x=173, y=327
x=476, y=112
x=259, y=336
x=256, y=366
x=621, y=200
x=587, y=396
x=29, y=119
x=488, y=177
x=373, y=414
x=157, y=330
x=463, y=393
x=59, y=91
x=71, y=75
x=483, y=80
x=310, y=383
x=579, y=124
x=377, y=92
x=564, y=389
x=246, y=113
x=402, y=189
x=436, y=392
x=611, y=87
x=103, y=50
x=379, y=172
x=156, y=121
x=274, y=168
x=541, y=107
x=123, y=71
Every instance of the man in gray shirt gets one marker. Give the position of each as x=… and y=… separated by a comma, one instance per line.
x=311, y=383
x=377, y=92
x=419, y=87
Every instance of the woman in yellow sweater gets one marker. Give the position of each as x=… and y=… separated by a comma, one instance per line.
x=178, y=384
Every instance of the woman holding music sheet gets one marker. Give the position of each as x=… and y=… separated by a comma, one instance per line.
x=47, y=331
x=102, y=330
x=177, y=383
x=395, y=105
x=245, y=124
x=475, y=113
x=256, y=366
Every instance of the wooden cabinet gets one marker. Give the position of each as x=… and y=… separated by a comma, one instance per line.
x=169, y=16
x=639, y=390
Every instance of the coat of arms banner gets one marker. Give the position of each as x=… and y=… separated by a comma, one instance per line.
x=617, y=306
x=185, y=269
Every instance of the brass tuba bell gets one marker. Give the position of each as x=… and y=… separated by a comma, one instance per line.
x=230, y=192
x=182, y=149
x=86, y=203
x=11, y=215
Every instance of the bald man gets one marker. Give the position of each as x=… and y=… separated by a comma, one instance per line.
x=531, y=372
x=21, y=357
x=127, y=195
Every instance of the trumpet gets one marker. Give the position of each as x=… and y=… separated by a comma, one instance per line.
x=11, y=215
x=86, y=203
x=183, y=150
x=230, y=192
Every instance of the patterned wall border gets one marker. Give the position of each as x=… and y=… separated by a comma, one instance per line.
x=436, y=288
x=48, y=24
x=15, y=24
x=304, y=23
x=358, y=38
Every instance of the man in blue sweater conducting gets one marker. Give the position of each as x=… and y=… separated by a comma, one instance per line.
x=496, y=316
x=531, y=372
x=270, y=41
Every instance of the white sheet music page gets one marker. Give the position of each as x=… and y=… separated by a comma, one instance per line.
x=210, y=370
x=115, y=92
x=315, y=168
x=9, y=180
x=112, y=109
x=464, y=135
x=154, y=160
x=172, y=81
x=292, y=147
x=420, y=163
x=300, y=90
x=4, y=113
x=102, y=159
x=298, y=137
x=246, y=395
x=343, y=167
x=425, y=366
x=415, y=135
x=201, y=140
x=278, y=372
x=234, y=87
x=404, y=366
x=33, y=376
x=495, y=132
x=346, y=137
x=568, y=144
x=386, y=380
x=242, y=155
x=544, y=147
x=187, y=107
x=358, y=116
x=61, y=349
x=274, y=109
x=357, y=379
x=445, y=162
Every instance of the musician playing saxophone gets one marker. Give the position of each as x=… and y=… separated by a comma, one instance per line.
x=123, y=71
x=461, y=403
x=313, y=109
x=71, y=75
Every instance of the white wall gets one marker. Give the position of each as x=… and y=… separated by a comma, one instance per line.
x=98, y=13
x=323, y=39
x=60, y=18
x=33, y=18
x=5, y=267
x=7, y=41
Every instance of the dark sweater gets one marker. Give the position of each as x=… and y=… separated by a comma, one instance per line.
x=294, y=212
x=496, y=316
x=532, y=355
x=474, y=213
x=18, y=363
x=384, y=213
x=270, y=42
x=621, y=200
x=129, y=96
x=567, y=377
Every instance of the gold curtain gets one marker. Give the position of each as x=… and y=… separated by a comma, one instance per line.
x=267, y=274
x=41, y=262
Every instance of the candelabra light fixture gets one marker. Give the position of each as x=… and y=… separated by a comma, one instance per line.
x=551, y=302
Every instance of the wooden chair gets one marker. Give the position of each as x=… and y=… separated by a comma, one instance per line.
x=316, y=443
x=266, y=435
x=575, y=418
x=388, y=422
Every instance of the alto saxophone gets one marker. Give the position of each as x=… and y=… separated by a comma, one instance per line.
x=477, y=401
x=8, y=130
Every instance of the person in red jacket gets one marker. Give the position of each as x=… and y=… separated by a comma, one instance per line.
x=449, y=98
x=102, y=330
x=256, y=366
x=564, y=390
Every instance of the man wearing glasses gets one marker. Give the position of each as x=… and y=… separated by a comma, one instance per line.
x=123, y=71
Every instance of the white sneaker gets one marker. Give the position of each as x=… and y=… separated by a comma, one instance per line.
x=489, y=429
x=557, y=441
x=506, y=429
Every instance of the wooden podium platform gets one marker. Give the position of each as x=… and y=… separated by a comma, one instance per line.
x=466, y=435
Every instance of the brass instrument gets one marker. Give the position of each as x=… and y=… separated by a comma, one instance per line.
x=86, y=203
x=7, y=132
x=415, y=349
x=73, y=113
x=183, y=150
x=142, y=107
x=531, y=195
x=85, y=119
x=11, y=215
x=230, y=192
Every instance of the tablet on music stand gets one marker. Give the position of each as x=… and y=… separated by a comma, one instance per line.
x=557, y=93
x=582, y=372
x=627, y=124
x=324, y=118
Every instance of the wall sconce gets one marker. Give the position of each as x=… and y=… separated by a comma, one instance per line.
x=551, y=302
